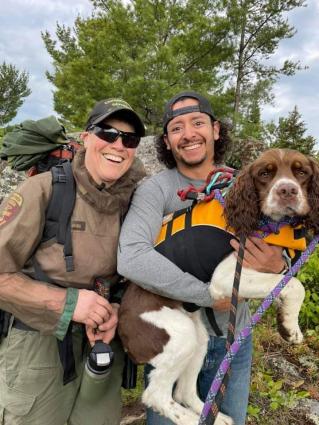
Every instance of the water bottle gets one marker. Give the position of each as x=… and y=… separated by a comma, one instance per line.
x=96, y=371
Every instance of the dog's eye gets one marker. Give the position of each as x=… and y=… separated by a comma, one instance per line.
x=301, y=172
x=264, y=173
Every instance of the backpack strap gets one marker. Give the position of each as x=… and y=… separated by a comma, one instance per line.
x=59, y=211
x=58, y=225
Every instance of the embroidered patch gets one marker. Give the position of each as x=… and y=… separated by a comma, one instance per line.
x=11, y=208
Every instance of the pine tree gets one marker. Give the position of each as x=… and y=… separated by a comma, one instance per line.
x=13, y=90
x=290, y=134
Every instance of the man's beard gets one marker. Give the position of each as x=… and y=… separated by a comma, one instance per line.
x=192, y=164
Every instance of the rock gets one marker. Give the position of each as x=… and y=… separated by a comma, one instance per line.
x=284, y=368
x=9, y=179
x=311, y=409
x=147, y=153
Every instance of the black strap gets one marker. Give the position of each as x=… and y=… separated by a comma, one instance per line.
x=191, y=307
x=212, y=414
x=58, y=224
x=212, y=320
x=129, y=376
x=66, y=354
x=61, y=207
x=191, y=247
x=4, y=323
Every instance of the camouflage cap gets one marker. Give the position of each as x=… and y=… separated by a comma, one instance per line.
x=106, y=108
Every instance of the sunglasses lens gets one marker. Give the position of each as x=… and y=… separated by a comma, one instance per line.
x=130, y=141
x=110, y=135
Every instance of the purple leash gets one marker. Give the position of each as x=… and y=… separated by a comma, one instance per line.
x=225, y=364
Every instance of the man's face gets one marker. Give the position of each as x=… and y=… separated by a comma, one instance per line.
x=191, y=137
x=107, y=162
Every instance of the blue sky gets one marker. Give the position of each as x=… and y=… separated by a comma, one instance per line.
x=21, y=23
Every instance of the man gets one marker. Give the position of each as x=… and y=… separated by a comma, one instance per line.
x=193, y=141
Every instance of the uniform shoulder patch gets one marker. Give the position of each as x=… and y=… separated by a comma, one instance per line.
x=10, y=208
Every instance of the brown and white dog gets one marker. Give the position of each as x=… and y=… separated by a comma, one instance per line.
x=157, y=330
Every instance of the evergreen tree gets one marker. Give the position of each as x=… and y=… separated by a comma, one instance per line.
x=13, y=90
x=258, y=26
x=290, y=134
x=144, y=51
x=148, y=50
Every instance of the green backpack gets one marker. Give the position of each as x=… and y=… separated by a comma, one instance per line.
x=37, y=146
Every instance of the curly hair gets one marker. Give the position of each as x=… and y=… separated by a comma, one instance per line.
x=166, y=157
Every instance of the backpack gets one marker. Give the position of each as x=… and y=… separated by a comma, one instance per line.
x=38, y=146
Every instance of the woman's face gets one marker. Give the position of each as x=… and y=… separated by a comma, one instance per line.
x=107, y=162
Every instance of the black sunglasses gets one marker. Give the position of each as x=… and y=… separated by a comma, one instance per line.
x=110, y=135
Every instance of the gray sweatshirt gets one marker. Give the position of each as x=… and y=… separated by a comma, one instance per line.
x=141, y=263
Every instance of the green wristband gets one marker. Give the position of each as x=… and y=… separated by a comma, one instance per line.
x=69, y=307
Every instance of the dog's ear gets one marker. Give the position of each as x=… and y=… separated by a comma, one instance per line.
x=312, y=221
x=241, y=204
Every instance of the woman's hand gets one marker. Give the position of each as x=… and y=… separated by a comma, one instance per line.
x=106, y=330
x=91, y=309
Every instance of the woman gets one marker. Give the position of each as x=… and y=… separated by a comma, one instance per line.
x=31, y=372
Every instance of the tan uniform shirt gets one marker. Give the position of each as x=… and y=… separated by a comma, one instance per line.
x=95, y=230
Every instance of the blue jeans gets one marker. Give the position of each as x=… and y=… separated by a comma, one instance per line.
x=236, y=397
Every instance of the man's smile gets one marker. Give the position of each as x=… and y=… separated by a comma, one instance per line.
x=192, y=146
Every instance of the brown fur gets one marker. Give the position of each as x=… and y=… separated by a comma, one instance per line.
x=244, y=200
x=130, y=323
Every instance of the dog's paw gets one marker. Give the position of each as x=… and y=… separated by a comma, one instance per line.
x=189, y=400
x=288, y=329
x=294, y=336
x=290, y=333
x=222, y=419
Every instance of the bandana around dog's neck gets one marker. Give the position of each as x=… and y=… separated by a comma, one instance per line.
x=267, y=225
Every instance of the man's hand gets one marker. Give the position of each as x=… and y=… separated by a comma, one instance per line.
x=106, y=330
x=260, y=256
x=91, y=309
x=224, y=304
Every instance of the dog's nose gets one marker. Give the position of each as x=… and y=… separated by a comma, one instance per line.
x=287, y=190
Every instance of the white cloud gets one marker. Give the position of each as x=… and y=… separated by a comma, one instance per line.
x=21, y=23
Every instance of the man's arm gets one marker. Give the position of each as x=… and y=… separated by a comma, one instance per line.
x=141, y=263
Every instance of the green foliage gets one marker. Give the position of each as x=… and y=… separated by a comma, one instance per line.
x=257, y=28
x=273, y=394
x=148, y=50
x=13, y=90
x=277, y=396
x=290, y=134
x=144, y=51
x=309, y=276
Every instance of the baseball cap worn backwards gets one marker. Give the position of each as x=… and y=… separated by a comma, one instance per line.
x=105, y=108
x=202, y=106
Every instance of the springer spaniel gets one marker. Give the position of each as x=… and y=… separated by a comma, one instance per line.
x=158, y=330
